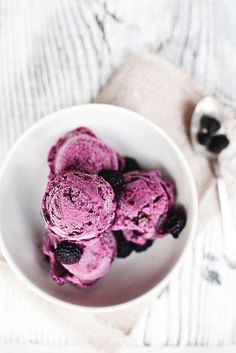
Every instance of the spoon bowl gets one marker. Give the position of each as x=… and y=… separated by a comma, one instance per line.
x=206, y=106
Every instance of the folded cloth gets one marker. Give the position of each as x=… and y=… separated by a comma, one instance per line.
x=153, y=87
x=149, y=85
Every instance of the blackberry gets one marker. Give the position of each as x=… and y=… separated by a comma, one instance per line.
x=210, y=124
x=174, y=222
x=160, y=226
x=140, y=248
x=68, y=253
x=204, y=139
x=130, y=165
x=218, y=143
x=124, y=247
x=114, y=178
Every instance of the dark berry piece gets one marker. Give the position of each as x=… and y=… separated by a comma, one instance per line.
x=60, y=270
x=210, y=124
x=114, y=178
x=130, y=165
x=218, y=143
x=204, y=139
x=161, y=225
x=140, y=248
x=174, y=222
x=68, y=253
x=124, y=247
x=124, y=250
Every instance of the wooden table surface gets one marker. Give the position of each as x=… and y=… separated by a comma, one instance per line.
x=199, y=306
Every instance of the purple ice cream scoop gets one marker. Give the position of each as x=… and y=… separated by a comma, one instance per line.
x=80, y=263
x=81, y=150
x=145, y=201
x=78, y=205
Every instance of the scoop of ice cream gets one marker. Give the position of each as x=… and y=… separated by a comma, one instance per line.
x=146, y=199
x=77, y=205
x=81, y=150
x=81, y=263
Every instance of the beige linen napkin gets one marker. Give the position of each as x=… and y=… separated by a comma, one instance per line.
x=155, y=88
x=152, y=86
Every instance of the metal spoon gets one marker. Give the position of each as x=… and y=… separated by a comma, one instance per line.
x=209, y=106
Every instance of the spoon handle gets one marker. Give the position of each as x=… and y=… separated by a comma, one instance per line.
x=227, y=222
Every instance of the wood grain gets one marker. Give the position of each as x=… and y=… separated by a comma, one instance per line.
x=60, y=53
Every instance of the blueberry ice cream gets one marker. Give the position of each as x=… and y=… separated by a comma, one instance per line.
x=78, y=205
x=98, y=206
x=81, y=150
x=146, y=199
x=80, y=263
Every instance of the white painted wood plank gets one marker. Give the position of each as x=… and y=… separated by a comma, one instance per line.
x=87, y=41
x=230, y=349
x=29, y=348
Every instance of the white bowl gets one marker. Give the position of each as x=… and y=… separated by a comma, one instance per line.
x=22, y=182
